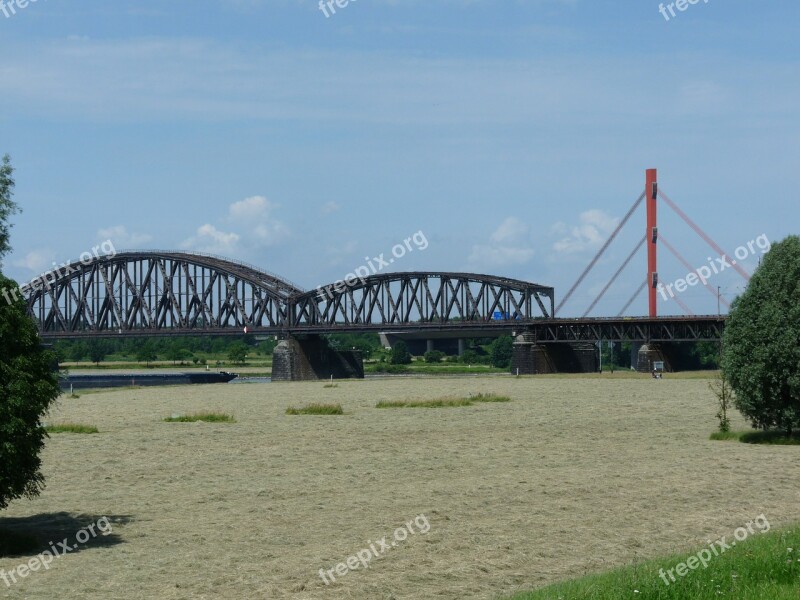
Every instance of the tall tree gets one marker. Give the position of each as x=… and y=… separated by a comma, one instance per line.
x=761, y=345
x=7, y=205
x=28, y=385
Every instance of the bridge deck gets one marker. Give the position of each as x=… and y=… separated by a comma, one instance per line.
x=642, y=329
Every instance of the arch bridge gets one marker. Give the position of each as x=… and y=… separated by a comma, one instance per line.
x=168, y=292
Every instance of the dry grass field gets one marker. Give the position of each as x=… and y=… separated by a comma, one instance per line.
x=574, y=475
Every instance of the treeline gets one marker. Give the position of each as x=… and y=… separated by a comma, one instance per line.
x=196, y=349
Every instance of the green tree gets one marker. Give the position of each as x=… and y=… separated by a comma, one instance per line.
x=28, y=385
x=400, y=354
x=433, y=356
x=761, y=344
x=470, y=357
x=78, y=351
x=97, y=351
x=176, y=352
x=146, y=353
x=501, y=350
x=7, y=205
x=237, y=353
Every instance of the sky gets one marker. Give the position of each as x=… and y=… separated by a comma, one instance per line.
x=510, y=136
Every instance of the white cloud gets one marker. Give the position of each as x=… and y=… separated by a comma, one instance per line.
x=248, y=226
x=122, y=239
x=37, y=261
x=510, y=231
x=594, y=228
x=508, y=245
x=254, y=207
x=210, y=239
x=254, y=215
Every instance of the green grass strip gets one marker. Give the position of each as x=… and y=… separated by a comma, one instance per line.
x=204, y=417
x=765, y=566
x=316, y=409
x=773, y=438
x=71, y=428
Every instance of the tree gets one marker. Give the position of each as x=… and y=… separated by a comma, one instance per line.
x=433, y=356
x=502, y=350
x=761, y=344
x=7, y=205
x=146, y=353
x=470, y=357
x=400, y=354
x=28, y=384
x=237, y=353
x=175, y=352
x=724, y=395
x=97, y=351
x=78, y=351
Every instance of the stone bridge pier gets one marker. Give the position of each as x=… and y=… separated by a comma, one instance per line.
x=311, y=358
x=535, y=358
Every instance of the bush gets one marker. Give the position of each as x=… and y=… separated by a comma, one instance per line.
x=433, y=356
x=472, y=357
x=761, y=344
x=400, y=354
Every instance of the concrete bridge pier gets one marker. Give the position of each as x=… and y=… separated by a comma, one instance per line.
x=534, y=358
x=310, y=358
x=529, y=357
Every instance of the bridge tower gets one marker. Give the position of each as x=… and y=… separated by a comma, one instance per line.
x=651, y=191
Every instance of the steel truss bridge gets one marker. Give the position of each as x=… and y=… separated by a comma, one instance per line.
x=167, y=293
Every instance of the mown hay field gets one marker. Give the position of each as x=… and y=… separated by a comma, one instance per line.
x=574, y=475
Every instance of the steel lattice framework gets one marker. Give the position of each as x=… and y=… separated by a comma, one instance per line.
x=642, y=329
x=164, y=292
x=423, y=301
x=151, y=292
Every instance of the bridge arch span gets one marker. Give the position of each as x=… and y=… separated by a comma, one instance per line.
x=158, y=291
x=421, y=300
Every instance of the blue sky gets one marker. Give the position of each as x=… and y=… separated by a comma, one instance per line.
x=513, y=134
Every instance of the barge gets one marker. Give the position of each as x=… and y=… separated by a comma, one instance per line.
x=84, y=382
